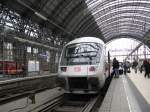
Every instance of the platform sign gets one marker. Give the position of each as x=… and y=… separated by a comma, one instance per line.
x=45, y=56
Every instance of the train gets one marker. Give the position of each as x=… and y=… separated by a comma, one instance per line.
x=10, y=68
x=83, y=66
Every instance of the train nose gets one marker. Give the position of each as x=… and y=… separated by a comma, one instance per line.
x=93, y=81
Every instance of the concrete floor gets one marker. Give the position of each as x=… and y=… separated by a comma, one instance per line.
x=130, y=93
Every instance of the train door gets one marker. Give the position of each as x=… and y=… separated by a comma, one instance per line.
x=109, y=66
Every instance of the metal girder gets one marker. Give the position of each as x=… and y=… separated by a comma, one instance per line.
x=136, y=48
x=85, y=24
x=84, y=21
x=119, y=17
x=25, y=28
x=78, y=8
x=113, y=34
x=102, y=6
x=109, y=13
x=43, y=17
x=123, y=27
x=57, y=11
x=39, y=4
x=88, y=17
x=123, y=36
x=65, y=10
x=77, y=19
x=90, y=28
x=35, y=43
x=124, y=9
x=128, y=21
x=123, y=33
x=131, y=11
x=93, y=31
x=122, y=17
x=128, y=26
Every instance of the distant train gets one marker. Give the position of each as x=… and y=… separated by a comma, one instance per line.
x=82, y=66
x=10, y=68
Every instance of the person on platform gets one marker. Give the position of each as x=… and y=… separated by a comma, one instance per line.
x=134, y=65
x=116, y=67
x=23, y=70
x=146, y=66
x=125, y=66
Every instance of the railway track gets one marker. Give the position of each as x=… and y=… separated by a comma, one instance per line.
x=73, y=103
x=69, y=102
x=17, y=95
x=76, y=103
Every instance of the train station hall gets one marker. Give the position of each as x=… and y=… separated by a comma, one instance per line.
x=74, y=56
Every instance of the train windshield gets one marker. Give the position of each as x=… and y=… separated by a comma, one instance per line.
x=81, y=54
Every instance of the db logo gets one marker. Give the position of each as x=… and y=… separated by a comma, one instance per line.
x=77, y=69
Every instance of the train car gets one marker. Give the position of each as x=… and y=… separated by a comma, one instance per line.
x=9, y=68
x=82, y=66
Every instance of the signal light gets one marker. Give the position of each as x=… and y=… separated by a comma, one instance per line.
x=92, y=68
x=64, y=69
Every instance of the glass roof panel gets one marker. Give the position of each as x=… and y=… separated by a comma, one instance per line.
x=123, y=33
x=123, y=29
x=125, y=20
x=121, y=16
x=125, y=24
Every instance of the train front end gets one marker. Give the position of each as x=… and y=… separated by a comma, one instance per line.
x=79, y=68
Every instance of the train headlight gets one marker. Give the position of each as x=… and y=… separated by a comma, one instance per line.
x=92, y=69
x=63, y=69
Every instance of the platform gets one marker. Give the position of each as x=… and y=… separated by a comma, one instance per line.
x=25, y=105
x=9, y=78
x=130, y=93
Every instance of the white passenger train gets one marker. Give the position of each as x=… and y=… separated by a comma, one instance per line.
x=82, y=66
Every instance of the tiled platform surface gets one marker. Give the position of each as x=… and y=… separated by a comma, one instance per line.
x=142, y=84
x=129, y=93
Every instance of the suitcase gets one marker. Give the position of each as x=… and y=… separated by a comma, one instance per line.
x=128, y=71
x=120, y=71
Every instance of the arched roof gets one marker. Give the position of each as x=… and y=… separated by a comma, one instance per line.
x=106, y=19
x=121, y=17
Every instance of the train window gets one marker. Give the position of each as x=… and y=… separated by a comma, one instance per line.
x=81, y=53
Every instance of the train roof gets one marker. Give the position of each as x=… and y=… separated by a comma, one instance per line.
x=86, y=39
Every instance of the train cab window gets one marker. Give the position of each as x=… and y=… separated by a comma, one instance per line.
x=81, y=53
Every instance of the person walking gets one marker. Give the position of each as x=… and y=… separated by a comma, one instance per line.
x=125, y=66
x=116, y=67
x=146, y=65
x=23, y=70
x=135, y=64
